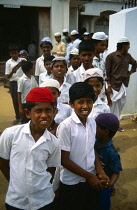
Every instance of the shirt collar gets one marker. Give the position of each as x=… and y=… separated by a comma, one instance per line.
x=98, y=101
x=108, y=144
x=82, y=70
x=43, y=138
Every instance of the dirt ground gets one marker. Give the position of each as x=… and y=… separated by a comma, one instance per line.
x=125, y=197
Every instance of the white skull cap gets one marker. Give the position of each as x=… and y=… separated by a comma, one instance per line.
x=75, y=51
x=74, y=32
x=99, y=36
x=123, y=39
x=65, y=30
x=50, y=83
x=57, y=34
x=86, y=34
x=93, y=72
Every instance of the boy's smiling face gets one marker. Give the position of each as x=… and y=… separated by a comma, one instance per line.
x=41, y=115
x=82, y=107
x=59, y=69
x=86, y=58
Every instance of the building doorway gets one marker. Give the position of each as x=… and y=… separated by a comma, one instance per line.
x=17, y=25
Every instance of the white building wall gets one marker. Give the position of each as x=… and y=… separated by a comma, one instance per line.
x=73, y=22
x=124, y=24
x=59, y=17
x=96, y=7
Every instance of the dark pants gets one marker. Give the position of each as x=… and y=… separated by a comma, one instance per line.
x=47, y=207
x=104, y=201
x=78, y=197
x=14, y=96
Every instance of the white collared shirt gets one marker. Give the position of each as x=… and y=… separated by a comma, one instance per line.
x=64, y=89
x=79, y=141
x=29, y=186
x=76, y=43
x=99, y=63
x=25, y=84
x=64, y=111
x=98, y=107
x=76, y=76
x=10, y=64
x=40, y=68
x=43, y=76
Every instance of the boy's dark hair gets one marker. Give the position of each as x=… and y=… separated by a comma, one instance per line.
x=110, y=132
x=95, y=41
x=71, y=56
x=26, y=66
x=49, y=58
x=30, y=104
x=120, y=45
x=100, y=79
x=81, y=90
x=13, y=47
x=86, y=45
x=55, y=61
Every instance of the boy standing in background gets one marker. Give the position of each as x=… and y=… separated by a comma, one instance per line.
x=14, y=72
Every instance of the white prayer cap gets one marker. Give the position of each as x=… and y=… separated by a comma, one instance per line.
x=74, y=32
x=75, y=51
x=57, y=34
x=59, y=58
x=123, y=39
x=65, y=30
x=50, y=83
x=99, y=36
x=93, y=72
x=86, y=34
x=46, y=39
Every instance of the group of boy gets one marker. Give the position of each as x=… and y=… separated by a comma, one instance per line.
x=82, y=175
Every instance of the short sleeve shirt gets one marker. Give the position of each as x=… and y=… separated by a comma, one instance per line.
x=10, y=64
x=99, y=107
x=109, y=158
x=29, y=186
x=79, y=141
x=25, y=84
x=40, y=68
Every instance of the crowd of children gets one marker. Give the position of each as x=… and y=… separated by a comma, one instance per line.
x=62, y=155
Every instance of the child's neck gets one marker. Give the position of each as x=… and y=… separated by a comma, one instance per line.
x=59, y=79
x=103, y=142
x=36, y=132
x=28, y=75
x=86, y=67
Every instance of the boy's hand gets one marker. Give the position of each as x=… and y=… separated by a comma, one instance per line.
x=104, y=179
x=95, y=182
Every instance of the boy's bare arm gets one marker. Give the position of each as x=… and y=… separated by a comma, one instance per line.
x=73, y=167
x=113, y=179
x=5, y=169
x=20, y=104
x=51, y=170
x=100, y=172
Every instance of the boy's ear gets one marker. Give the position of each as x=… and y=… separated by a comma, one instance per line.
x=27, y=113
x=71, y=104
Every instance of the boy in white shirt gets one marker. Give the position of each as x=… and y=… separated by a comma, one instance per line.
x=33, y=154
x=25, y=84
x=86, y=54
x=63, y=110
x=14, y=72
x=79, y=183
x=46, y=75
